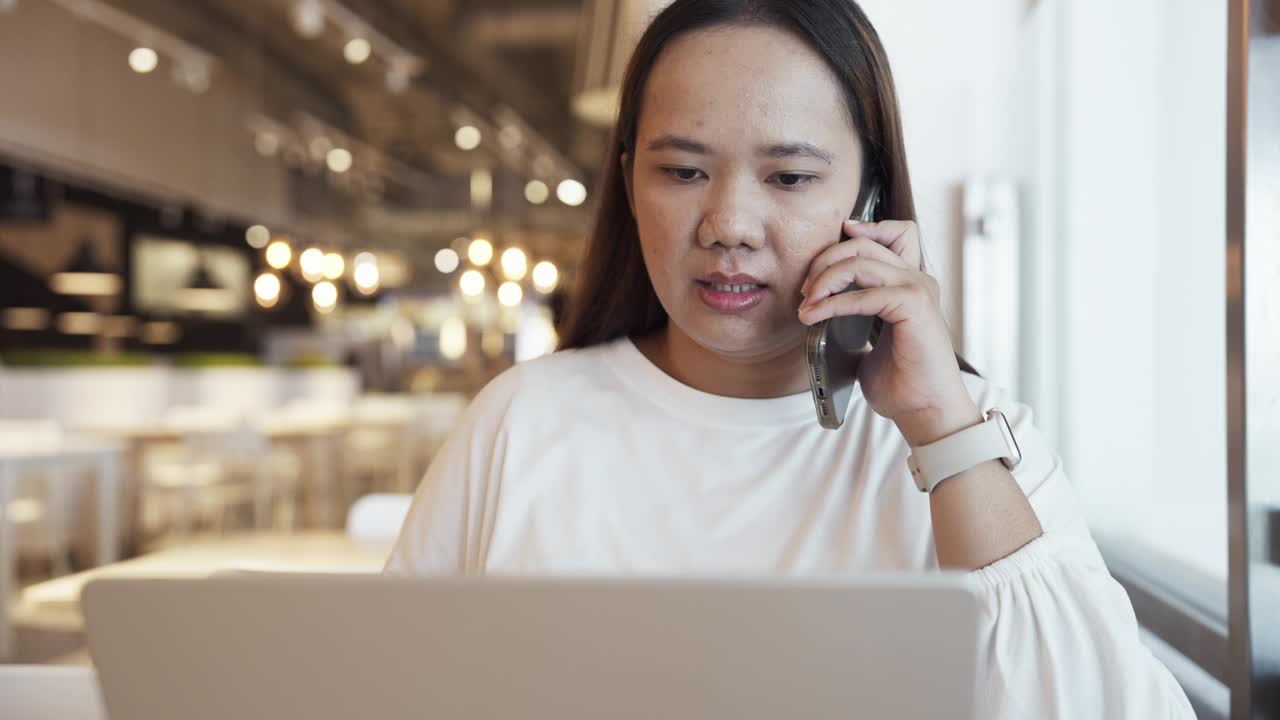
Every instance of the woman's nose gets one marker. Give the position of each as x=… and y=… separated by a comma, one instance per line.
x=731, y=220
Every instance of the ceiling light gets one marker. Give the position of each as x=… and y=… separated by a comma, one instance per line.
x=510, y=137
x=510, y=294
x=308, y=18
x=338, y=160
x=203, y=292
x=334, y=266
x=471, y=283
x=266, y=288
x=536, y=192
x=320, y=147
x=544, y=166
x=400, y=72
x=447, y=260
x=193, y=75
x=325, y=296
x=467, y=137
x=311, y=262
x=515, y=264
x=545, y=276
x=85, y=275
x=143, y=60
x=257, y=236
x=266, y=144
x=480, y=252
x=279, y=254
x=357, y=50
x=571, y=192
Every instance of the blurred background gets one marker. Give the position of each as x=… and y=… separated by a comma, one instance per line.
x=256, y=256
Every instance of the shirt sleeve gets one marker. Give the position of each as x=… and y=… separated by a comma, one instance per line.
x=448, y=524
x=1058, y=635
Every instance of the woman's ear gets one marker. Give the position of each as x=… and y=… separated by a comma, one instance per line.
x=625, y=161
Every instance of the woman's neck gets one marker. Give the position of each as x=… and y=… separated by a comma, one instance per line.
x=767, y=376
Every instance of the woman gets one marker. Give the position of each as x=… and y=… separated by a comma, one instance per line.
x=674, y=432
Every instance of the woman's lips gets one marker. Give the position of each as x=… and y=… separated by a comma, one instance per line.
x=730, y=298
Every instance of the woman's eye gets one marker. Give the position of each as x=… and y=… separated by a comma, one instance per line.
x=683, y=174
x=794, y=180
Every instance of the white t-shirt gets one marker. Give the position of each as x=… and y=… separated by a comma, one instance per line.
x=596, y=461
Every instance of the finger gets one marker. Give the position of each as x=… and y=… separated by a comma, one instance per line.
x=855, y=247
x=865, y=272
x=900, y=236
x=893, y=304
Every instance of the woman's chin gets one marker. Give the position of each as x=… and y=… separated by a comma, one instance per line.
x=747, y=340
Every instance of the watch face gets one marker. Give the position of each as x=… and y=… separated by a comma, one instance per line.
x=1012, y=442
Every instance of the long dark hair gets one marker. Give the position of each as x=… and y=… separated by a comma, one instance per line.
x=614, y=296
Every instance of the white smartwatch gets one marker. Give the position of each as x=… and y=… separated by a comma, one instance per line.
x=991, y=439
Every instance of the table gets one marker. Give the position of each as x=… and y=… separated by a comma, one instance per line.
x=105, y=459
x=56, y=603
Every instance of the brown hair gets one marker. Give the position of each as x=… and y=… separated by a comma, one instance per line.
x=614, y=296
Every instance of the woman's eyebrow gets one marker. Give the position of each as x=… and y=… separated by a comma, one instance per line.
x=676, y=142
x=777, y=151
x=795, y=149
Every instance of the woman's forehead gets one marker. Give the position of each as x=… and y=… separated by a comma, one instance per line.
x=745, y=84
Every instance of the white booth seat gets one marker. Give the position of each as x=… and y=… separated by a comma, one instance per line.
x=50, y=692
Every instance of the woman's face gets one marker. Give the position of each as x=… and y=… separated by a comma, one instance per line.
x=746, y=162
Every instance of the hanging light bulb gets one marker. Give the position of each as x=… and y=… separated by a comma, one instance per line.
x=515, y=264
x=338, y=160
x=480, y=252
x=510, y=294
x=143, y=60
x=257, y=236
x=279, y=254
x=545, y=276
x=266, y=289
x=311, y=262
x=447, y=260
x=571, y=192
x=536, y=192
x=334, y=265
x=357, y=50
x=325, y=296
x=471, y=283
x=467, y=137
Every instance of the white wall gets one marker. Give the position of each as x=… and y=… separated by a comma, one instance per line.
x=1141, y=244
x=71, y=101
x=1110, y=117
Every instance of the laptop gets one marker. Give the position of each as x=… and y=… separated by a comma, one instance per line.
x=344, y=647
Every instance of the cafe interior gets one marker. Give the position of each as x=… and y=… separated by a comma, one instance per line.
x=257, y=257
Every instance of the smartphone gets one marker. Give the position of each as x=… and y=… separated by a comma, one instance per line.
x=834, y=346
